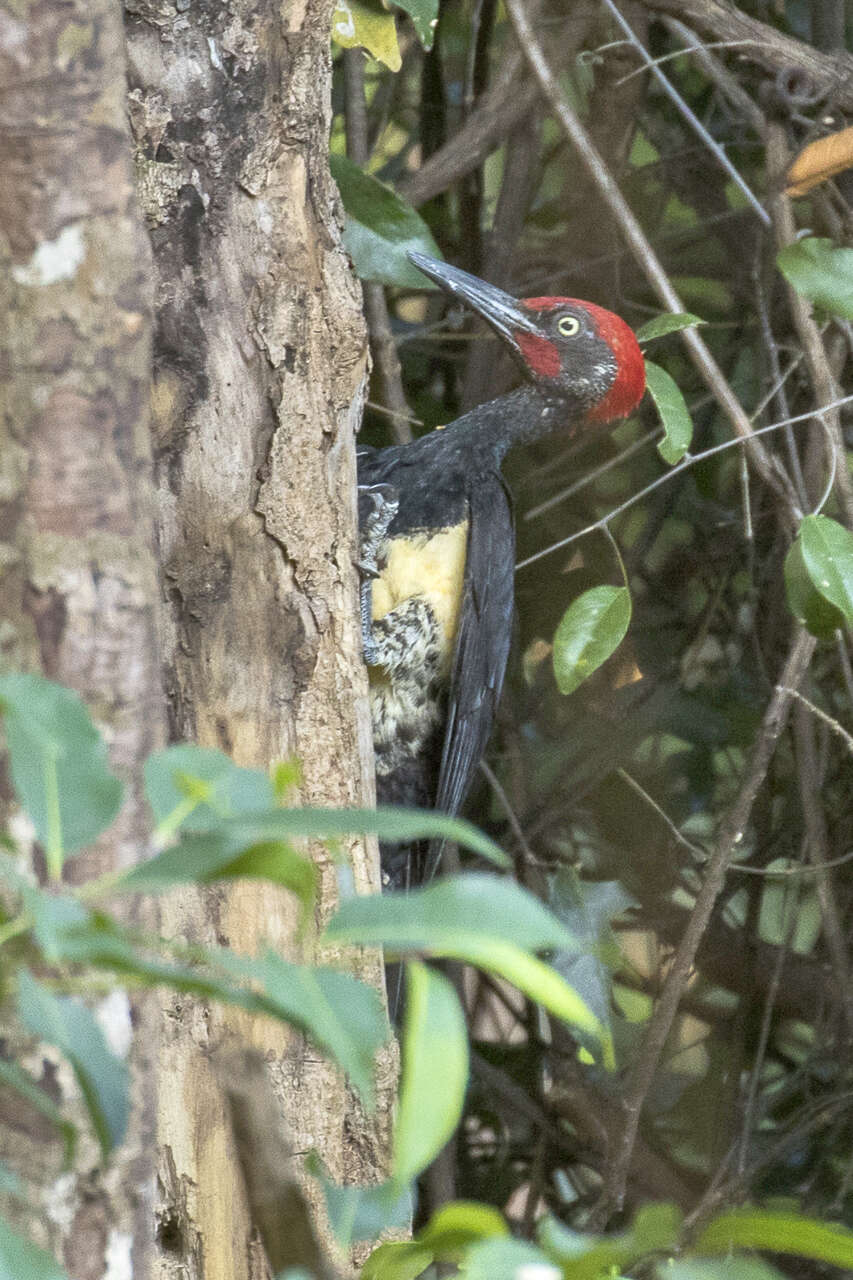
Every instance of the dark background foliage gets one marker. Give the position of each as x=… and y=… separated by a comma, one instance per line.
x=612, y=799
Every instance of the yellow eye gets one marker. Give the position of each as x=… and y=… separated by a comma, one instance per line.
x=568, y=326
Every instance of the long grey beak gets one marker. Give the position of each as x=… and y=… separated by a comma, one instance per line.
x=499, y=309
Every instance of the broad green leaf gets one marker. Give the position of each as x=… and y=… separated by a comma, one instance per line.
x=673, y=411
x=404, y=1261
x=590, y=630
x=14, y=1077
x=53, y=915
x=58, y=764
x=508, y=1260
x=451, y=912
x=226, y=853
x=22, y=1260
x=342, y=1015
x=821, y=272
x=381, y=228
x=828, y=557
x=424, y=15
x=725, y=1269
x=780, y=1232
x=537, y=980
x=193, y=788
x=461, y=1223
x=103, y=1078
x=806, y=601
x=434, y=1072
x=669, y=322
x=369, y=27
x=361, y=1213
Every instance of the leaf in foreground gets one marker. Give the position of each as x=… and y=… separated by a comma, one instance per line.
x=22, y=1260
x=102, y=1077
x=821, y=272
x=434, y=1074
x=381, y=228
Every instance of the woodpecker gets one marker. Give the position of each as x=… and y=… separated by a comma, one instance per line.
x=437, y=545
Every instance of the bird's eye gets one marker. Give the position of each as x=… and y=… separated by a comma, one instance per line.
x=568, y=326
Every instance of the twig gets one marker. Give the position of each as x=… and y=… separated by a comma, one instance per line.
x=768, y=467
x=717, y=73
x=823, y=383
x=809, y=779
x=512, y=818
x=589, y=476
x=673, y=471
x=646, y=1062
x=695, y=123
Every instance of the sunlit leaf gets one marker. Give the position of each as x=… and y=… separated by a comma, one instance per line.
x=674, y=414
x=460, y=1223
x=404, y=1261
x=508, y=1260
x=434, y=1072
x=730, y=1268
x=475, y=906
x=780, y=1232
x=381, y=228
x=591, y=629
x=821, y=272
x=367, y=26
x=103, y=1078
x=58, y=764
x=669, y=322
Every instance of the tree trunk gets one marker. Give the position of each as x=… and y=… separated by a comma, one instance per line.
x=77, y=575
x=260, y=359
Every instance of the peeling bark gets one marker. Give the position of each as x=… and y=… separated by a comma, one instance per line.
x=78, y=583
x=260, y=357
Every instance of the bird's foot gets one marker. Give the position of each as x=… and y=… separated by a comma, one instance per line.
x=377, y=506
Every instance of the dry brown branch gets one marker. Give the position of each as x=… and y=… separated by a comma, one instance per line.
x=831, y=74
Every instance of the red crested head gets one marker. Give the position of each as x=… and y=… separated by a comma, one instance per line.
x=588, y=351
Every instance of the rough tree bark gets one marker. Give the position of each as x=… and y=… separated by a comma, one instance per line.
x=260, y=359
x=77, y=576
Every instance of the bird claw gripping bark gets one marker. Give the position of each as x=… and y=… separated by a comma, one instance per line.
x=377, y=506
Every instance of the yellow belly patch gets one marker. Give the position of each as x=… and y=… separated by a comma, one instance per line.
x=431, y=565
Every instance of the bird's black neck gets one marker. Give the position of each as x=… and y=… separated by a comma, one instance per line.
x=490, y=430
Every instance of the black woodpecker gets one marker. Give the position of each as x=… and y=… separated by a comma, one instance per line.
x=438, y=546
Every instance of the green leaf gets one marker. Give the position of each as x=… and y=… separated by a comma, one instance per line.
x=449, y=913
x=361, y=1213
x=58, y=764
x=424, y=15
x=669, y=322
x=404, y=1261
x=587, y=908
x=434, y=1072
x=673, y=411
x=22, y=1260
x=228, y=853
x=537, y=980
x=821, y=272
x=460, y=1223
x=369, y=27
x=381, y=228
x=726, y=1269
x=340, y=1014
x=10, y=1183
x=590, y=630
x=15, y=1078
x=507, y=1260
x=102, y=1077
x=828, y=558
x=805, y=601
x=780, y=1232
x=193, y=788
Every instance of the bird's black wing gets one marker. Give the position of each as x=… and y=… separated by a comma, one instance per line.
x=482, y=645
